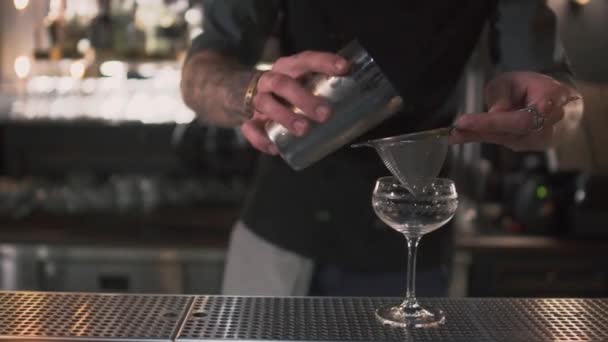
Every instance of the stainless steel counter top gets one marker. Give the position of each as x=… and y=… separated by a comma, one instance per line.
x=125, y=317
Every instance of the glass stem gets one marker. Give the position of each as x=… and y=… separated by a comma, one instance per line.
x=410, y=301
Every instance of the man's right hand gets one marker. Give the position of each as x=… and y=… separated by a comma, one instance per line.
x=279, y=91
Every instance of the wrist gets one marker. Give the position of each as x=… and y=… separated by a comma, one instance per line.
x=250, y=93
x=214, y=87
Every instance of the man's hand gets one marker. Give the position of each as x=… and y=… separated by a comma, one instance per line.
x=559, y=104
x=214, y=86
x=279, y=91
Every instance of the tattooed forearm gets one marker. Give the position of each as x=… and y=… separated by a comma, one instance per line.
x=214, y=87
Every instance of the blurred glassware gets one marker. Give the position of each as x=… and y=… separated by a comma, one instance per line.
x=155, y=99
x=85, y=194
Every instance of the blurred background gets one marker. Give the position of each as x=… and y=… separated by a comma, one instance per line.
x=108, y=184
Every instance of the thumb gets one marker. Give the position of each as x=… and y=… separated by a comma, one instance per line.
x=499, y=96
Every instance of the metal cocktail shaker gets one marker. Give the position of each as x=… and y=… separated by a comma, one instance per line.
x=360, y=100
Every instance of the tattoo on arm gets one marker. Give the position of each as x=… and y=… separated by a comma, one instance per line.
x=214, y=87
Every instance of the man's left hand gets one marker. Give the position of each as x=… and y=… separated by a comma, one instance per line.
x=558, y=106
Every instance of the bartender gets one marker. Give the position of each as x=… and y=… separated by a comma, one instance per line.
x=314, y=231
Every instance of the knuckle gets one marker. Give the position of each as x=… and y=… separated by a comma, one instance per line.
x=272, y=109
x=289, y=86
x=492, y=124
x=261, y=102
x=266, y=80
x=277, y=81
x=254, y=139
x=319, y=60
x=263, y=81
x=299, y=96
x=306, y=54
x=281, y=63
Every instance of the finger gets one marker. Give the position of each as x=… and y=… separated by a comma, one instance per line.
x=552, y=112
x=260, y=116
x=269, y=106
x=553, y=105
x=461, y=137
x=293, y=92
x=312, y=62
x=255, y=134
x=499, y=96
x=513, y=142
x=458, y=137
x=517, y=122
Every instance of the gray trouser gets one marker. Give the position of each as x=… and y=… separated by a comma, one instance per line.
x=256, y=267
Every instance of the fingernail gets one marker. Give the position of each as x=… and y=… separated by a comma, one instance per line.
x=322, y=112
x=340, y=65
x=300, y=126
x=273, y=149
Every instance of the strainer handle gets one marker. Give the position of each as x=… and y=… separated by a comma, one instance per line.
x=362, y=144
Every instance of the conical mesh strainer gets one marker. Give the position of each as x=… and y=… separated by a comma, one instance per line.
x=414, y=159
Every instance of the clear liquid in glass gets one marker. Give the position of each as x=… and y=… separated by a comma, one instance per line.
x=413, y=217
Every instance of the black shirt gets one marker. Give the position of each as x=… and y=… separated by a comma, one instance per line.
x=324, y=212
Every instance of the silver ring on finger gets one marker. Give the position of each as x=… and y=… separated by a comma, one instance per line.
x=538, y=119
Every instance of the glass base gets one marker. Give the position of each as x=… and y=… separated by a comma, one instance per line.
x=416, y=317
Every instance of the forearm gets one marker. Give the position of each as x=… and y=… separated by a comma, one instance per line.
x=213, y=86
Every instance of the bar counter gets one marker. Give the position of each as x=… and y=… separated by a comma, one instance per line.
x=44, y=316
